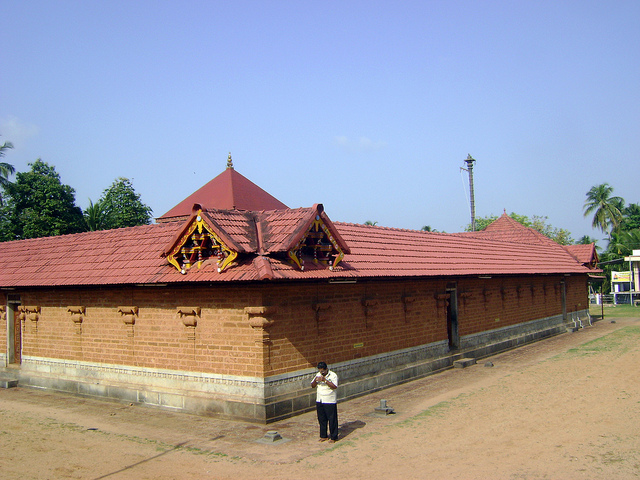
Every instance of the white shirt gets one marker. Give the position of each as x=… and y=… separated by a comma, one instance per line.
x=324, y=393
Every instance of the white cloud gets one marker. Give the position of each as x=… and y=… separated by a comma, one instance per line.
x=361, y=144
x=16, y=132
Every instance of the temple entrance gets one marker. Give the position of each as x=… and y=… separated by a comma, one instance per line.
x=14, y=333
x=452, y=318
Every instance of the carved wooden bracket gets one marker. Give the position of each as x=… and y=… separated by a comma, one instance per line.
x=3, y=312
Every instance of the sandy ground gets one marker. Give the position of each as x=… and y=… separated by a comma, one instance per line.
x=564, y=408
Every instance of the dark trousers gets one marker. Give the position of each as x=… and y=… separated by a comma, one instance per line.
x=328, y=413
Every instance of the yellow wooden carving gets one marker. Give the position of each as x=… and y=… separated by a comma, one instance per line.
x=318, y=243
x=197, y=244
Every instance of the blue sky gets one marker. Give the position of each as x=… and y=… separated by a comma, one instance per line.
x=369, y=107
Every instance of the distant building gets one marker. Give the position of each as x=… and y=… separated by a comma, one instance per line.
x=226, y=304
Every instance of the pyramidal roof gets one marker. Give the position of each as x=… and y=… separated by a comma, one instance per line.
x=228, y=191
x=507, y=229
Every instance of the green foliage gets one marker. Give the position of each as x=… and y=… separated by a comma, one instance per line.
x=5, y=168
x=630, y=217
x=371, y=223
x=94, y=216
x=605, y=208
x=537, y=222
x=121, y=207
x=40, y=205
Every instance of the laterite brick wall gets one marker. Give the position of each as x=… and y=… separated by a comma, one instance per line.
x=310, y=322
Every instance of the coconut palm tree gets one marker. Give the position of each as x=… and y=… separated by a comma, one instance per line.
x=605, y=208
x=5, y=168
x=95, y=216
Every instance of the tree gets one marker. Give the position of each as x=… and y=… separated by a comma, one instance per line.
x=371, y=223
x=94, y=216
x=41, y=205
x=122, y=206
x=605, y=208
x=623, y=243
x=5, y=168
x=630, y=217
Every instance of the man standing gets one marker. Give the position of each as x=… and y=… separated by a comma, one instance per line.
x=326, y=382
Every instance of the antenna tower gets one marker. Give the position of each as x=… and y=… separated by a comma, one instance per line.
x=469, y=161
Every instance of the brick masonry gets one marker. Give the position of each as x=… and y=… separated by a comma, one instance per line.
x=248, y=351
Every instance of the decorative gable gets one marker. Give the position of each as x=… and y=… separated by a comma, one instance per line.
x=317, y=245
x=198, y=244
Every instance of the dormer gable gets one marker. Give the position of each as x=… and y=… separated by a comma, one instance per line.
x=316, y=240
x=200, y=242
x=220, y=237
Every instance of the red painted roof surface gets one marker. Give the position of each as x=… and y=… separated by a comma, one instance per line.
x=229, y=190
x=585, y=254
x=506, y=229
x=134, y=255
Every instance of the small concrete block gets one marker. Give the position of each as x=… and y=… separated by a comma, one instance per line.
x=272, y=437
x=464, y=362
x=383, y=409
x=4, y=383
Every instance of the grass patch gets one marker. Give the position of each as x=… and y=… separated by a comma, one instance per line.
x=618, y=341
x=614, y=311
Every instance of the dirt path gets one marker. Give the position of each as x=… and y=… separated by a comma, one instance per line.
x=567, y=407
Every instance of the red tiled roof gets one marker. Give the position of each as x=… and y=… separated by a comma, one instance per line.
x=507, y=229
x=229, y=190
x=585, y=254
x=134, y=255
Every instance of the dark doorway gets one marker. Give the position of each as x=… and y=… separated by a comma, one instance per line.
x=14, y=339
x=452, y=318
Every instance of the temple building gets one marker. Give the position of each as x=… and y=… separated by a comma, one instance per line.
x=226, y=304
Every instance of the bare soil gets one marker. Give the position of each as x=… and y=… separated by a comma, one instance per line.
x=564, y=408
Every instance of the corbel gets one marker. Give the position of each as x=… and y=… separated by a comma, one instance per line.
x=129, y=314
x=259, y=322
x=32, y=313
x=486, y=294
x=464, y=296
x=504, y=292
x=189, y=315
x=441, y=299
x=369, y=303
x=409, y=303
x=321, y=309
x=3, y=312
x=77, y=313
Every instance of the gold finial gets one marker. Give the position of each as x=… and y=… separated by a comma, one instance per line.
x=229, y=162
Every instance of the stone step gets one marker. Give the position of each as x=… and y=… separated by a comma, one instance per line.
x=464, y=362
x=8, y=383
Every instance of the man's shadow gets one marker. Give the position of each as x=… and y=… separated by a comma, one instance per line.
x=349, y=427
